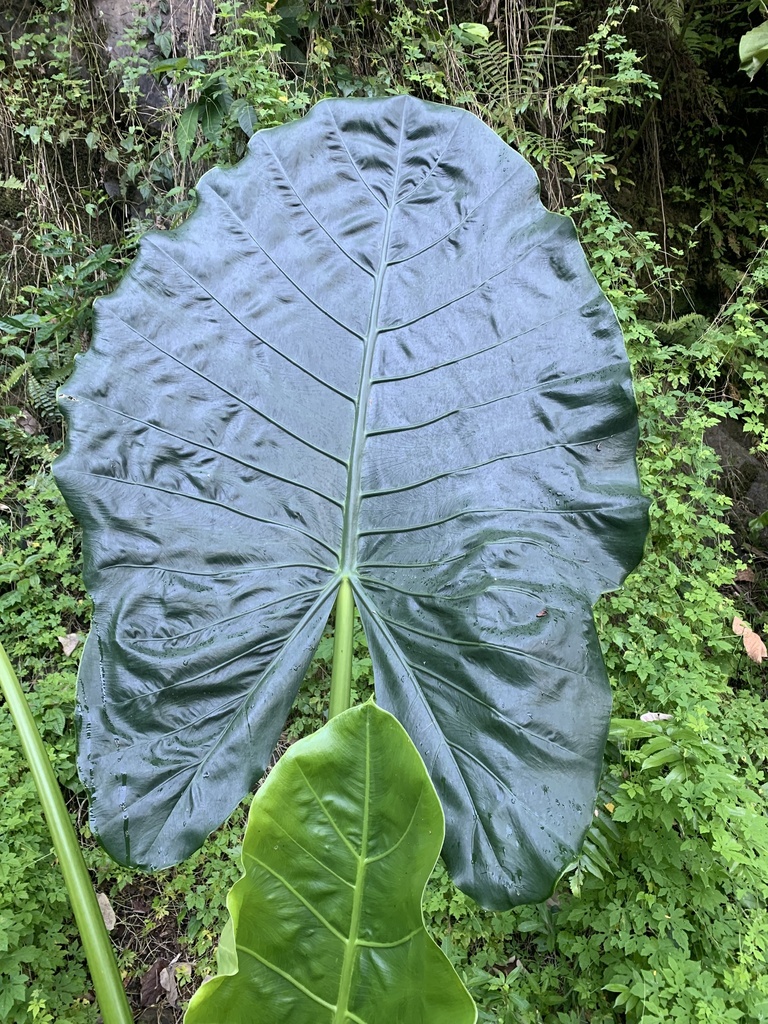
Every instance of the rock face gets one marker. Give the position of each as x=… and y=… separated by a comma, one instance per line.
x=163, y=28
x=744, y=477
x=190, y=22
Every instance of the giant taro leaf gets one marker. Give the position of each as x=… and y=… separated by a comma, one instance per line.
x=371, y=353
x=336, y=858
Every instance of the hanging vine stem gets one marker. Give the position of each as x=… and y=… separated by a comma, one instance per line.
x=621, y=162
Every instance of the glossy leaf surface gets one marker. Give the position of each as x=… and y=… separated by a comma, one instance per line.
x=370, y=353
x=341, y=840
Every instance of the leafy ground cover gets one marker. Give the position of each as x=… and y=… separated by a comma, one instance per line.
x=663, y=917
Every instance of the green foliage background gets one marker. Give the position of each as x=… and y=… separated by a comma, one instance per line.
x=643, y=130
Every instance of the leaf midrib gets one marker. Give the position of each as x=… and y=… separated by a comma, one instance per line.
x=354, y=473
x=351, y=946
x=350, y=528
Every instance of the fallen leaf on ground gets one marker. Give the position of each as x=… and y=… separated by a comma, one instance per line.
x=69, y=642
x=167, y=979
x=745, y=576
x=754, y=647
x=110, y=918
x=152, y=990
x=26, y=422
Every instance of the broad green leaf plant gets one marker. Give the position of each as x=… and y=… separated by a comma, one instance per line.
x=370, y=371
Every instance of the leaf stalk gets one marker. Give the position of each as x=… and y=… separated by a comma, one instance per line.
x=341, y=673
x=107, y=982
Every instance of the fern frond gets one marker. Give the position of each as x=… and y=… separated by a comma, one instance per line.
x=13, y=378
x=42, y=391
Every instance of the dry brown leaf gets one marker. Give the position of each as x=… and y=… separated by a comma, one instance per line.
x=110, y=918
x=754, y=646
x=740, y=627
x=152, y=990
x=745, y=576
x=26, y=422
x=168, y=982
x=69, y=642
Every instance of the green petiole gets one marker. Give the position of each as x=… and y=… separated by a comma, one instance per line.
x=341, y=673
x=106, y=979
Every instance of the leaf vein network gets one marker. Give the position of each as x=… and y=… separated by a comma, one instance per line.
x=339, y=246
x=443, y=680
x=283, y=273
x=469, y=355
x=230, y=393
x=388, y=852
x=458, y=298
x=340, y=136
x=331, y=820
x=216, y=451
x=294, y=892
x=453, y=642
x=308, y=853
x=143, y=485
x=458, y=224
x=438, y=160
x=284, y=974
x=516, y=796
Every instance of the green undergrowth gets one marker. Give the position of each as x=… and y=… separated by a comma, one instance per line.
x=663, y=918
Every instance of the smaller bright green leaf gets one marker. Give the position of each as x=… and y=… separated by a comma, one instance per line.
x=14, y=352
x=212, y=114
x=187, y=128
x=753, y=49
x=670, y=756
x=169, y=65
x=326, y=923
x=592, y=868
x=245, y=115
x=625, y=730
x=594, y=860
x=470, y=33
x=23, y=322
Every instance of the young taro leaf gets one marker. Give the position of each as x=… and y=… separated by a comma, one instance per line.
x=371, y=353
x=336, y=855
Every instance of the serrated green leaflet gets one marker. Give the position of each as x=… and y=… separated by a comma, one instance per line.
x=326, y=923
x=370, y=354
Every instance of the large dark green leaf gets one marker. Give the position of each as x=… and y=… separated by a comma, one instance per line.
x=336, y=858
x=370, y=353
